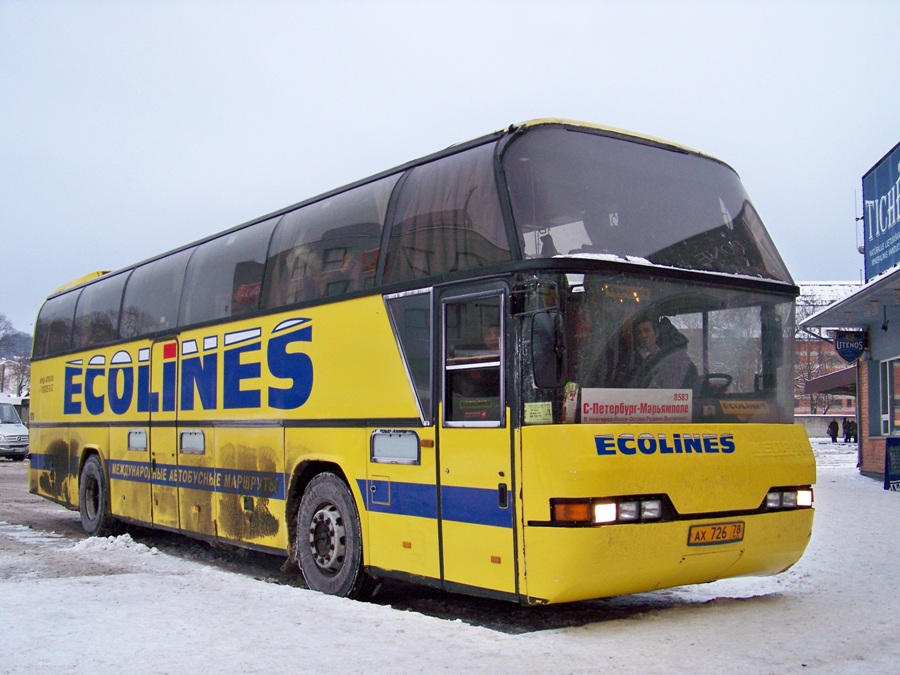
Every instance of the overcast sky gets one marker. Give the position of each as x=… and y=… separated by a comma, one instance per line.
x=128, y=128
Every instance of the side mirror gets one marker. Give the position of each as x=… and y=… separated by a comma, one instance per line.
x=548, y=349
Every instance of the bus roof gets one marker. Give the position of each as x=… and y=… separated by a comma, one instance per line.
x=90, y=276
x=614, y=131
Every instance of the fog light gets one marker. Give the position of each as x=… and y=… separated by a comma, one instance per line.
x=604, y=512
x=651, y=509
x=629, y=511
x=773, y=500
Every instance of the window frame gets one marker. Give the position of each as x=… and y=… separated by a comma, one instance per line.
x=448, y=368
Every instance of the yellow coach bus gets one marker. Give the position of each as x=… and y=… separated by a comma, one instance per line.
x=546, y=365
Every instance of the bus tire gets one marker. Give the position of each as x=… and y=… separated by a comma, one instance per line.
x=328, y=544
x=93, y=500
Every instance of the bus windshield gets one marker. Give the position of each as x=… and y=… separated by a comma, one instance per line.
x=579, y=193
x=635, y=348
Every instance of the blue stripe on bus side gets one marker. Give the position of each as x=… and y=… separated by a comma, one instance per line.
x=402, y=499
x=228, y=481
x=477, y=506
x=43, y=462
x=474, y=505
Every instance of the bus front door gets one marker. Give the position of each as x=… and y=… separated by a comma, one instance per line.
x=476, y=503
x=164, y=433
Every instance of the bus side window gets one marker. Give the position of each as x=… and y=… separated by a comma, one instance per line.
x=319, y=250
x=473, y=376
x=225, y=275
x=447, y=218
x=97, y=312
x=152, y=296
x=411, y=319
x=53, y=332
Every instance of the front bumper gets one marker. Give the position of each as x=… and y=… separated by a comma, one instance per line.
x=14, y=450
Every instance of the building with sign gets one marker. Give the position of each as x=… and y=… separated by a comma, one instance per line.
x=865, y=327
x=823, y=389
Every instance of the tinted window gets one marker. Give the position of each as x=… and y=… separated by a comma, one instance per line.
x=411, y=318
x=327, y=248
x=646, y=349
x=53, y=332
x=224, y=276
x=152, y=296
x=473, y=377
x=576, y=193
x=447, y=218
x=97, y=314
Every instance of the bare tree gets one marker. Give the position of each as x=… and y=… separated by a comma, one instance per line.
x=6, y=330
x=14, y=348
x=17, y=376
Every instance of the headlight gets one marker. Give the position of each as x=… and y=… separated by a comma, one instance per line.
x=607, y=511
x=651, y=509
x=629, y=511
x=789, y=498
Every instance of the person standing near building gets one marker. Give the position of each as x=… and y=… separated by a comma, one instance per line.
x=833, y=430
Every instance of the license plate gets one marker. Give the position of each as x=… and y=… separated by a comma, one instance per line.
x=720, y=533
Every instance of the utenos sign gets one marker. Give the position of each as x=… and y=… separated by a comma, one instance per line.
x=850, y=344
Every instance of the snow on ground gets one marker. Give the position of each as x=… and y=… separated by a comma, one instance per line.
x=124, y=606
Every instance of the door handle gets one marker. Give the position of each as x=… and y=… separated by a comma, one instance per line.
x=503, y=496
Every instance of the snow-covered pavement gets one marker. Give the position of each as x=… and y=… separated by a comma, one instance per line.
x=113, y=605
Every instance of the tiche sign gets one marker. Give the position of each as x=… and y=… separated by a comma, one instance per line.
x=881, y=214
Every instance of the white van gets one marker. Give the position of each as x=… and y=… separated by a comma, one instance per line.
x=13, y=434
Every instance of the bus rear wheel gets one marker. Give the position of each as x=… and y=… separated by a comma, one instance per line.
x=329, y=540
x=93, y=500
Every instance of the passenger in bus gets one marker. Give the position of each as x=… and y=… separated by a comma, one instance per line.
x=665, y=363
x=492, y=339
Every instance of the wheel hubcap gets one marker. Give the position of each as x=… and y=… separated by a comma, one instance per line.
x=327, y=541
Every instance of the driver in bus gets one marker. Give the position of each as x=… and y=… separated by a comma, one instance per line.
x=665, y=363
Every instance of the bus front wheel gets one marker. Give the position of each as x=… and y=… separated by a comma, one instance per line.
x=93, y=500
x=329, y=539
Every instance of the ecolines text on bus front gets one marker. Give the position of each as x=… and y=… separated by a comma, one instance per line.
x=220, y=369
x=664, y=444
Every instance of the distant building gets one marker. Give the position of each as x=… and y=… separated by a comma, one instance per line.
x=872, y=313
x=815, y=360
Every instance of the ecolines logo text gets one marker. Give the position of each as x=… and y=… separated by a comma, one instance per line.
x=664, y=444
x=212, y=376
